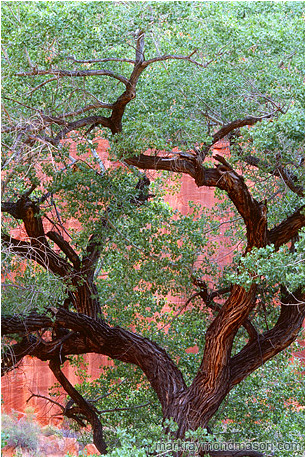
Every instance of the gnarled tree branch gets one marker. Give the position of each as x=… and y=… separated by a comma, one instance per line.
x=270, y=343
x=88, y=411
x=287, y=229
x=115, y=342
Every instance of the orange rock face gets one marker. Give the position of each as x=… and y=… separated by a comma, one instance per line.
x=8, y=451
x=51, y=446
x=90, y=449
x=71, y=446
x=55, y=446
x=34, y=376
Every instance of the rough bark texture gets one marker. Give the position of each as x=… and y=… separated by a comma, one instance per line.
x=87, y=410
x=79, y=327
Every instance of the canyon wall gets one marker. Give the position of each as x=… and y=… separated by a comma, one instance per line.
x=34, y=376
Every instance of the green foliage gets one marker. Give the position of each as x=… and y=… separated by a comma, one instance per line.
x=21, y=433
x=36, y=289
x=252, y=63
x=267, y=409
x=244, y=51
x=266, y=267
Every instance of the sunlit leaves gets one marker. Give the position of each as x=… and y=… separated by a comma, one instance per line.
x=266, y=267
x=250, y=62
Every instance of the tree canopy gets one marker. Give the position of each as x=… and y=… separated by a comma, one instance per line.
x=137, y=281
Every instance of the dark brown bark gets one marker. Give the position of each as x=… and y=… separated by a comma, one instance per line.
x=271, y=342
x=39, y=253
x=116, y=342
x=84, y=296
x=237, y=124
x=75, y=333
x=65, y=247
x=13, y=354
x=191, y=406
x=278, y=171
x=85, y=407
x=287, y=229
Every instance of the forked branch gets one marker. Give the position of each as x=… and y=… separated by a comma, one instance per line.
x=273, y=341
x=88, y=411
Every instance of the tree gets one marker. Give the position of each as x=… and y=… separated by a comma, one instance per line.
x=203, y=72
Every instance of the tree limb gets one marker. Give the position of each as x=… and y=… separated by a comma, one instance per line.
x=287, y=229
x=86, y=408
x=207, y=298
x=65, y=247
x=75, y=73
x=270, y=343
x=222, y=177
x=90, y=120
x=238, y=123
x=65, y=412
x=16, y=352
x=175, y=57
x=115, y=342
x=39, y=253
x=94, y=61
x=279, y=171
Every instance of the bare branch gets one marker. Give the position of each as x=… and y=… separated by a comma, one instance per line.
x=42, y=84
x=107, y=59
x=249, y=121
x=273, y=341
x=22, y=104
x=120, y=409
x=179, y=311
x=279, y=171
x=90, y=120
x=97, y=157
x=16, y=352
x=139, y=47
x=65, y=247
x=33, y=395
x=61, y=119
x=28, y=58
x=174, y=57
x=86, y=408
x=40, y=253
x=287, y=57
x=75, y=73
x=115, y=342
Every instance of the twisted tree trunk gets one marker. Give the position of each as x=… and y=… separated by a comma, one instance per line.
x=78, y=325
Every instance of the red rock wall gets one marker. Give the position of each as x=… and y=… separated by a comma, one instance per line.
x=34, y=376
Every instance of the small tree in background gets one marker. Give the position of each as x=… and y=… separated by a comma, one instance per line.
x=153, y=78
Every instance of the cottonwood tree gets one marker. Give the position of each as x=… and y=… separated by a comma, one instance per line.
x=164, y=83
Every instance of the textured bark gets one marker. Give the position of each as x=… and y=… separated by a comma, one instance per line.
x=117, y=343
x=271, y=342
x=85, y=331
x=191, y=406
x=38, y=249
x=85, y=407
x=197, y=405
x=287, y=229
x=279, y=171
